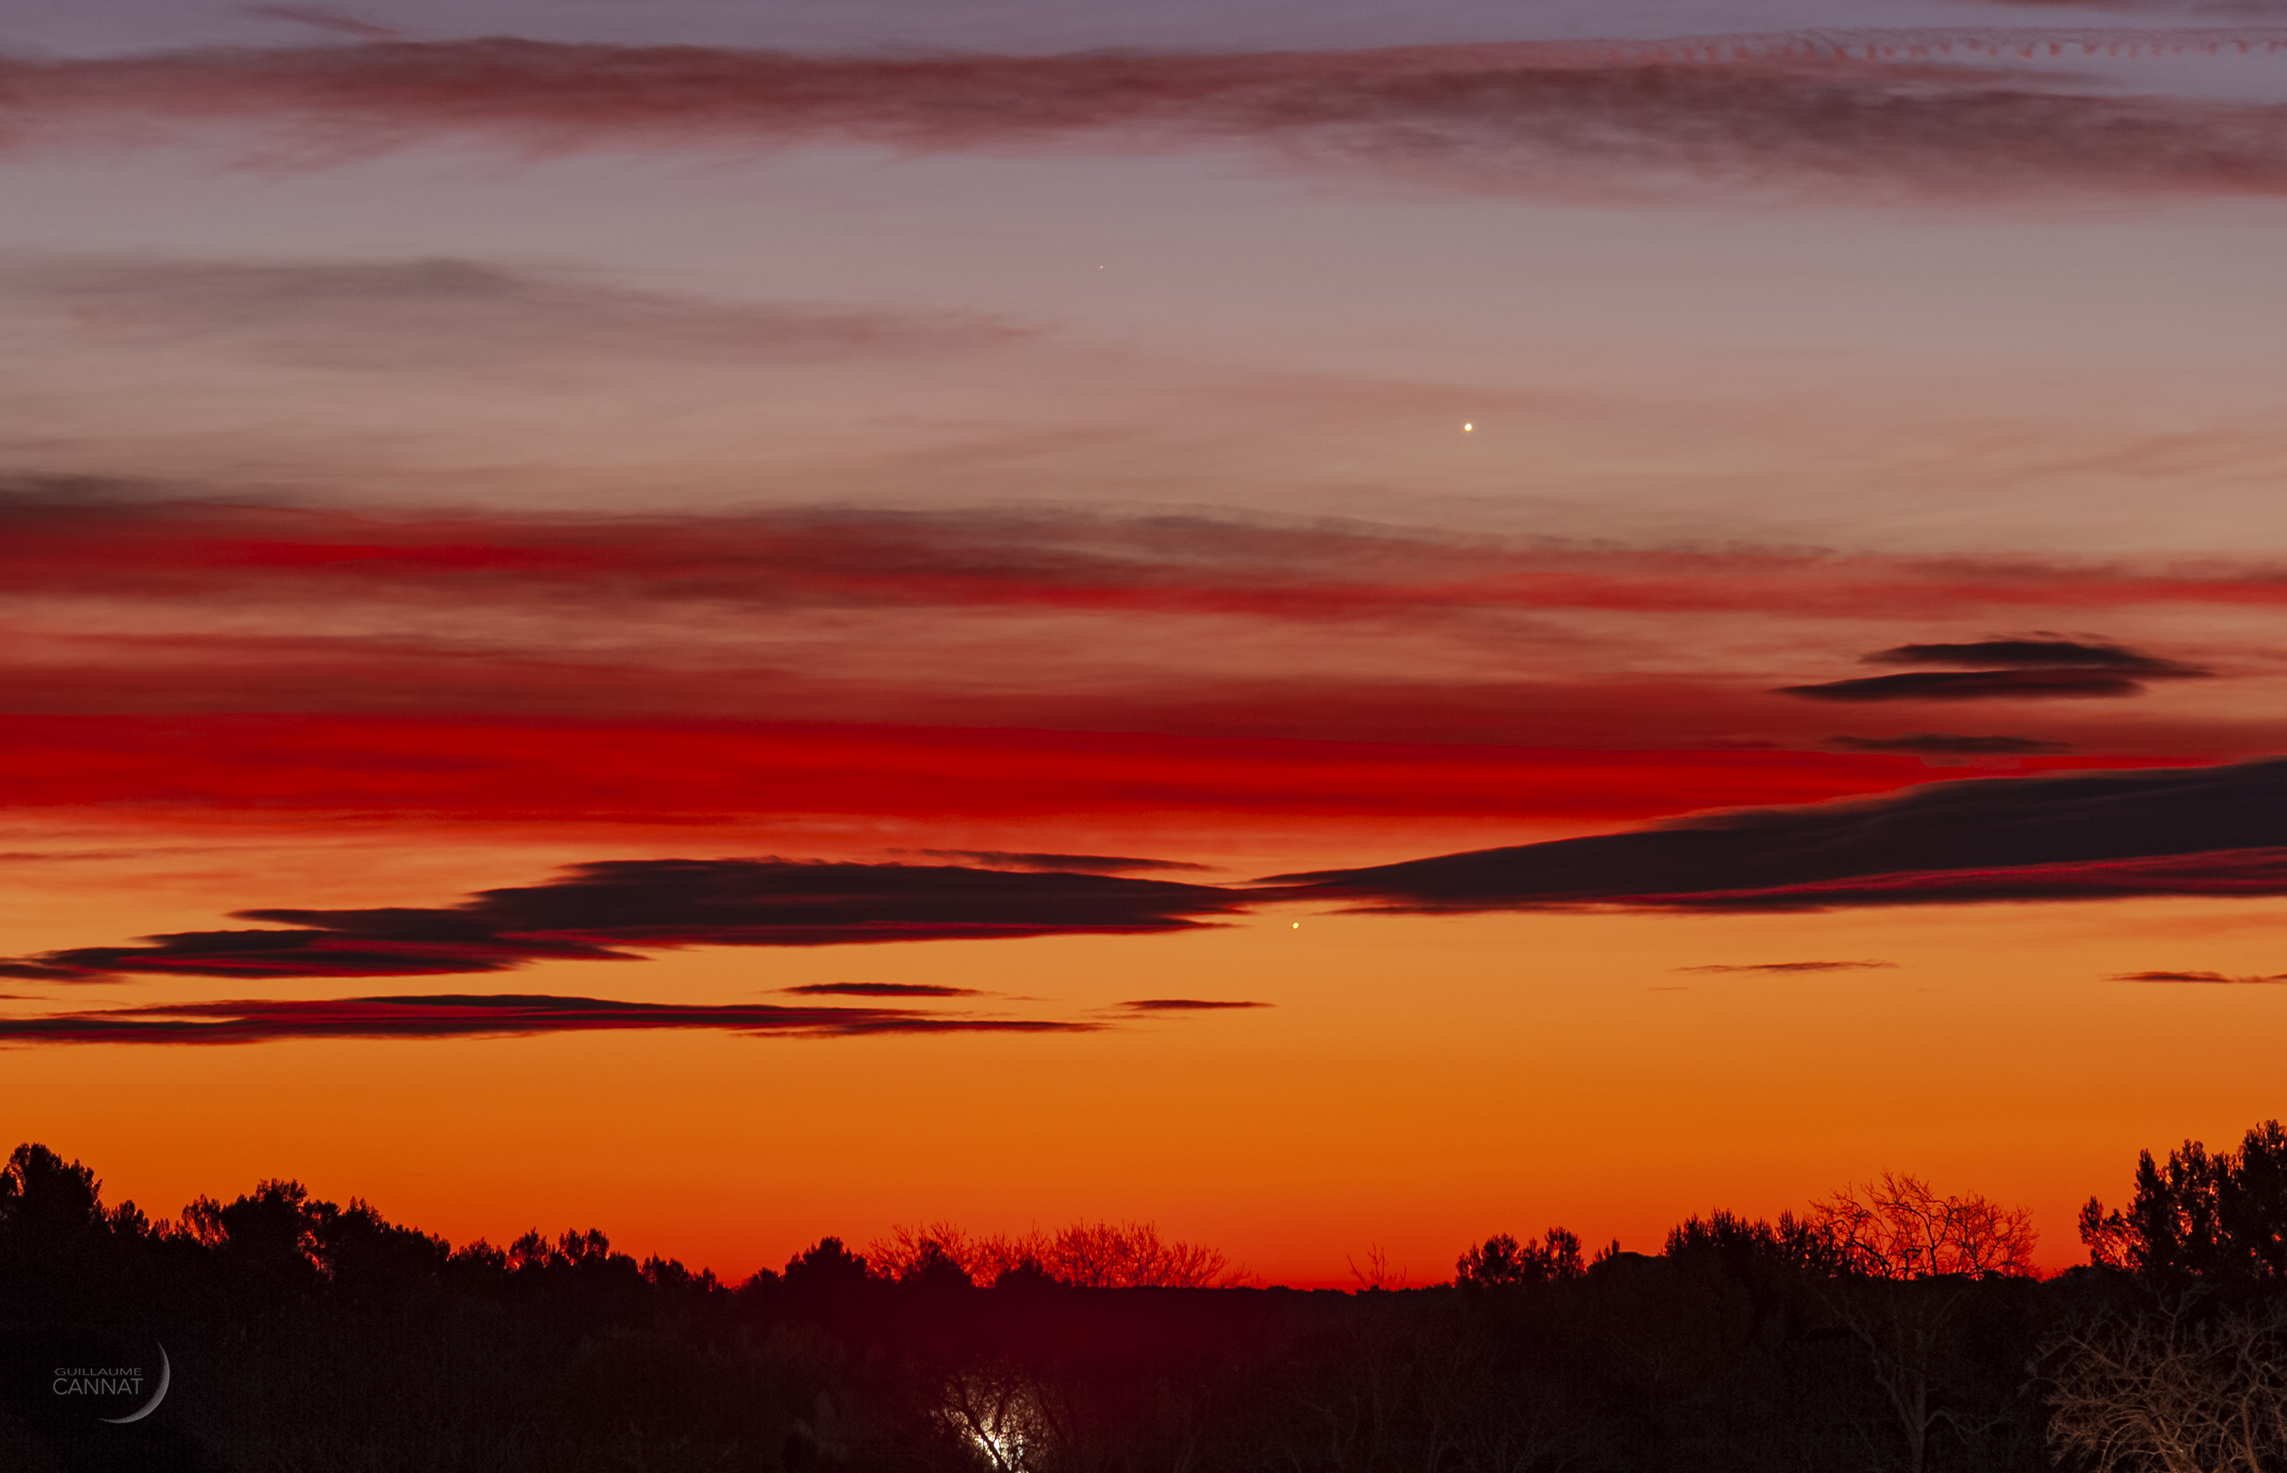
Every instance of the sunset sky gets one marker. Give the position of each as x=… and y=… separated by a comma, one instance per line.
x=1338, y=625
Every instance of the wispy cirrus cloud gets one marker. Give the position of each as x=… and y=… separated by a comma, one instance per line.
x=325, y=20
x=1185, y=1005
x=443, y=314
x=597, y=911
x=2215, y=831
x=73, y=536
x=481, y=1016
x=1870, y=114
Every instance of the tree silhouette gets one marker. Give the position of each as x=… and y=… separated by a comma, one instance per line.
x=1085, y=1255
x=1898, y=1228
x=2218, y=1219
x=825, y=1266
x=1502, y=1262
x=306, y=1334
x=1792, y=1243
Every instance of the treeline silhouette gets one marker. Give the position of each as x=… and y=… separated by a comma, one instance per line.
x=1086, y=1255
x=1885, y=1327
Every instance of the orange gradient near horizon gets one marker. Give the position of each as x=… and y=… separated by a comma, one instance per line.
x=1415, y=1083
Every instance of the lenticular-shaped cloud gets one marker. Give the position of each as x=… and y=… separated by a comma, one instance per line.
x=2031, y=654
x=2044, y=668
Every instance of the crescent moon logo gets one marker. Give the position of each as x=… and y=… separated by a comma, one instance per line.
x=166, y=1374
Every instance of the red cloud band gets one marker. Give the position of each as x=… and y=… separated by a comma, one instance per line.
x=510, y=609
x=665, y=777
x=1063, y=562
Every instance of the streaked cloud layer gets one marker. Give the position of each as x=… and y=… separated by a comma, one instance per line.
x=457, y=316
x=1170, y=622
x=1865, y=114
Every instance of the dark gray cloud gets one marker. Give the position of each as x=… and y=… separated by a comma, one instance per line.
x=2039, y=668
x=2199, y=977
x=2036, y=654
x=1184, y=1005
x=1935, y=744
x=596, y=910
x=1970, y=685
x=1088, y=864
x=1785, y=968
x=879, y=989
x=479, y=1016
x=2196, y=831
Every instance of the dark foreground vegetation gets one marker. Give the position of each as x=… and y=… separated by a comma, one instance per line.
x=1887, y=1328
